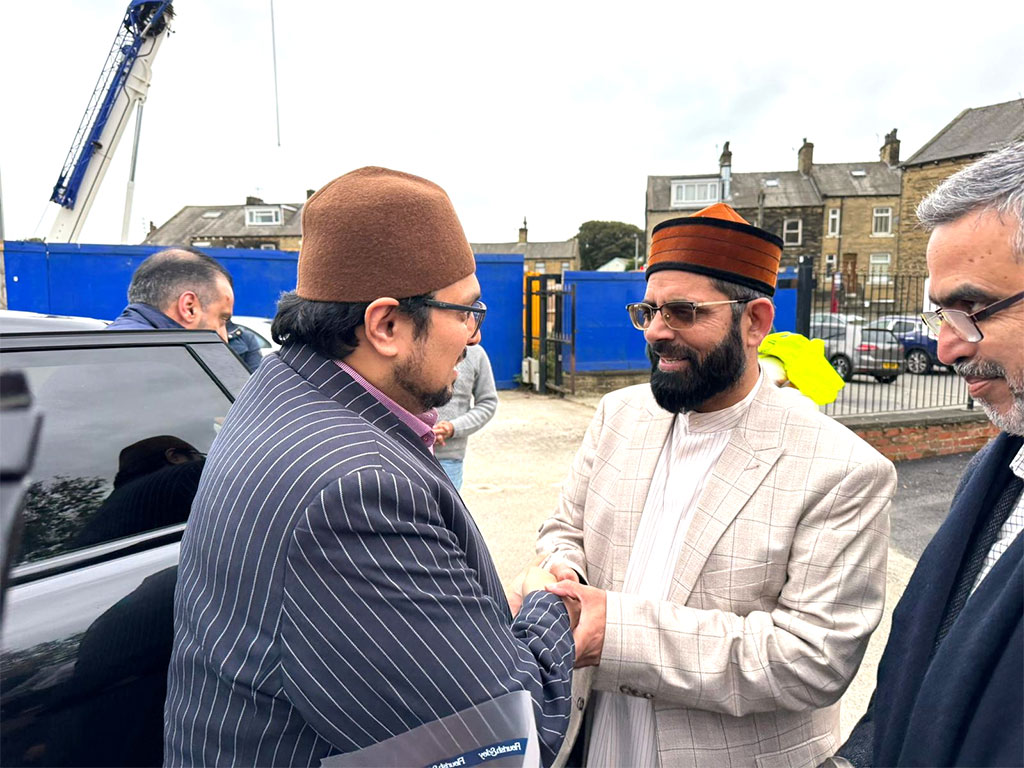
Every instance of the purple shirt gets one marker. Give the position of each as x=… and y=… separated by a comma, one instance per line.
x=422, y=424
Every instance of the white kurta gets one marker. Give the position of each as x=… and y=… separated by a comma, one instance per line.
x=623, y=728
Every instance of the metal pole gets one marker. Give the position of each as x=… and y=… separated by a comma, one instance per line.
x=273, y=47
x=131, y=178
x=804, y=291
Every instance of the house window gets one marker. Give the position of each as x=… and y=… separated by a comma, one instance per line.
x=833, y=222
x=260, y=217
x=695, y=193
x=830, y=263
x=878, y=267
x=882, y=221
x=540, y=266
x=268, y=246
x=792, y=231
x=565, y=265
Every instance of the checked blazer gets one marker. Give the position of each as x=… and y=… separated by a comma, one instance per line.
x=779, y=584
x=334, y=591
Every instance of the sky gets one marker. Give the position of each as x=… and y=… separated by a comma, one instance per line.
x=556, y=111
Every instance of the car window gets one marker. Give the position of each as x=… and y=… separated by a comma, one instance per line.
x=903, y=326
x=264, y=344
x=125, y=432
x=876, y=336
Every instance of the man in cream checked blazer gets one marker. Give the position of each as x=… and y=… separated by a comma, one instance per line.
x=727, y=540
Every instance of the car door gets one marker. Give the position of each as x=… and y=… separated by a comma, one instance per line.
x=88, y=630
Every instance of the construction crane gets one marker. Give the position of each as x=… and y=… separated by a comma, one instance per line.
x=122, y=85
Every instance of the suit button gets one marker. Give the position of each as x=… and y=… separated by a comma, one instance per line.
x=580, y=703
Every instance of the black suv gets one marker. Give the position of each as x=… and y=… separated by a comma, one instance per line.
x=128, y=417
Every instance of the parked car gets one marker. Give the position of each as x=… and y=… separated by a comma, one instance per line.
x=852, y=350
x=86, y=638
x=920, y=344
x=261, y=327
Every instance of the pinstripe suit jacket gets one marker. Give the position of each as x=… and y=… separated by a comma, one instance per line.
x=779, y=584
x=334, y=591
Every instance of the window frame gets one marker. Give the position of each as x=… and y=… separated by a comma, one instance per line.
x=703, y=195
x=252, y=214
x=887, y=217
x=799, y=232
x=834, y=219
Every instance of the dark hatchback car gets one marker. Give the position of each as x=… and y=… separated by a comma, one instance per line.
x=87, y=630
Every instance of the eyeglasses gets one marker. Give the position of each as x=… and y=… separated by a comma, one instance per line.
x=966, y=325
x=473, y=313
x=677, y=315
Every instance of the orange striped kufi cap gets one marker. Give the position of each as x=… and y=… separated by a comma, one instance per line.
x=717, y=242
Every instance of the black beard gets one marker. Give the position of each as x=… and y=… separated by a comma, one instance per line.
x=687, y=390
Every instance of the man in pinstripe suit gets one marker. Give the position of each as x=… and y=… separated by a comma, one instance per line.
x=334, y=592
x=728, y=541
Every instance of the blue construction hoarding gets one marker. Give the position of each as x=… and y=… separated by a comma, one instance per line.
x=92, y=281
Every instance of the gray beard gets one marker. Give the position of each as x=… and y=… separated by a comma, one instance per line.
x=1011, y=421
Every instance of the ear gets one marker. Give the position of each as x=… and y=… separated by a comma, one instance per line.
x=383, y=327
x=761, y=314
x=188, y=309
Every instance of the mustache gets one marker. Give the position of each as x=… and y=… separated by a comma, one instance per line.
x=985, y=369
x=674, y=352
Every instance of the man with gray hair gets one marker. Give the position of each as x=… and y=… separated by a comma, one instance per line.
x=178, y=288
x=950, y=687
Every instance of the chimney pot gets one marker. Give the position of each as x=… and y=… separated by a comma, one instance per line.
x=250, y=200
x=890, y=151
x=522, y=231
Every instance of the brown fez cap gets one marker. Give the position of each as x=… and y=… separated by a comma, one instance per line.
x=717, y=242
x=375, y=232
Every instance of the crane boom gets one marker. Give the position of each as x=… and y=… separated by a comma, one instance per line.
x=123, y=83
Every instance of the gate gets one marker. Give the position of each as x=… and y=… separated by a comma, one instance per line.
x=549, y=334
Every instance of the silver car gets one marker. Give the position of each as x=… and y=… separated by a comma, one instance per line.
x=852, y=349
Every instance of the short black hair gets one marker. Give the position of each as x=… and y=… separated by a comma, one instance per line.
x=165, y=275
x=329, y=327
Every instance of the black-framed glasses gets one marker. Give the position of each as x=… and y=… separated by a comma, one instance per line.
x=677, y=315
x=474, y=313
x=966, y=325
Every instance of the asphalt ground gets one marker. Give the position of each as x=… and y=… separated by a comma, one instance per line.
x=515, y=466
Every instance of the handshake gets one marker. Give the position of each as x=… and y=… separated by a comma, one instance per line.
x=586, y=605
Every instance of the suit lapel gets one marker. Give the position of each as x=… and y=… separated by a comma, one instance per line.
x=748, y=457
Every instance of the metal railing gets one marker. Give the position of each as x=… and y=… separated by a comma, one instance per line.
x=874, y=337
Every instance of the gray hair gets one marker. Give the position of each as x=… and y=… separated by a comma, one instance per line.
x=994, y=183
x=165, y=275
x=737, y=292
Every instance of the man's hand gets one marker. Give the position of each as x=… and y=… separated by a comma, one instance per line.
x=442, y=431
x=589, y=632
x=564, y=572
x=514, y=589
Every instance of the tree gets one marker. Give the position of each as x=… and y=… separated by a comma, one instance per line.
x=602, y=241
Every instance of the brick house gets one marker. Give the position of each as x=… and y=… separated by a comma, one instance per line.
x=787, y=203
x=545, y=258
x=971, y=134
x=268, y=226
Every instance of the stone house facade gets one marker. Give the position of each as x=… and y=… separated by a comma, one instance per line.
x=260, y=225
x=971, y=134
x=542, y=257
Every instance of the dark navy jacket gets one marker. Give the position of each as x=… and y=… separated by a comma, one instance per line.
x=142, y=317
x=334, y=590
x=964, y=705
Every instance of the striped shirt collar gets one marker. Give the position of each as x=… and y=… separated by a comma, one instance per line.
x=421, y=424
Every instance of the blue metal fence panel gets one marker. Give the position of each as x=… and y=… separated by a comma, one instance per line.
x=92, y=281
x=785, y=309
x=605, y=339
x=501, y=283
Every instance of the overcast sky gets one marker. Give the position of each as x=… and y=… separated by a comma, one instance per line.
x=557, y=111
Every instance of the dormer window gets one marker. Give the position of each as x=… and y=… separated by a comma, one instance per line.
x=261, y=216
x=694, y=193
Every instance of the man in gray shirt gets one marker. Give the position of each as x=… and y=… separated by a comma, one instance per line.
x=472, y=406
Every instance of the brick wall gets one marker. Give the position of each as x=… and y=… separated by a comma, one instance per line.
x=812, y=229
x=855, y=240
x=918, y=441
